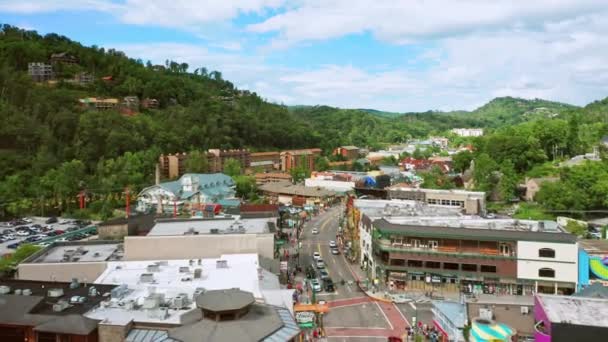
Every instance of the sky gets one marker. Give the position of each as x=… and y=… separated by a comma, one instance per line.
x=401, y=56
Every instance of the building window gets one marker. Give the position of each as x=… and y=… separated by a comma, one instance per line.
x=415, y=243
x=433, y=264
x=414, y=263
x=488, y=268
x=433, y=244
x=450, y=266
x=505, y=249
x=469, y=267
x=546, y=273
x=546, y=253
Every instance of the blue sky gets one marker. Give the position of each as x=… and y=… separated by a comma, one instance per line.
x=389, y=55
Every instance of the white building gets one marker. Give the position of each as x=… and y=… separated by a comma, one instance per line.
x=468, y=132
x=547, y=263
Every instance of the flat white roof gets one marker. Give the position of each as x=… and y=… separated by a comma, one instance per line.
x=175, y=277
x=402, y=208
x=575, y=310
x=440, y=191
x=230, y=225
x=81, y=252
x=475, y=222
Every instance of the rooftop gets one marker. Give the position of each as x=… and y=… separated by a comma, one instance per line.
x=454, y=227
x=150, y=286
x=224, y=225
x=50, y=306
x=595, y=246
x=298, y=190
x=224, y=300
x=575, y=310
x=502, y=300
x=402, y=208
x=85, y=251
x=440, y=191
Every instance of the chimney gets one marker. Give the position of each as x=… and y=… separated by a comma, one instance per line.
x=157, y=174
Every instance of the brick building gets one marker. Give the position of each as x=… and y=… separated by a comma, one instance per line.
x=217, y=158
x=296, y=158
x=348, y=152
x=172, y=165
x=40, y=72
x=267, y=161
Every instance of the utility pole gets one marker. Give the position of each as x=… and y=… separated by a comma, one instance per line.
x=127, y=204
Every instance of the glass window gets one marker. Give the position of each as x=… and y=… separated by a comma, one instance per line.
x=433, y=264
x=469, y=267
x=546, y=273
x=433, y=244
x=546, y=253
x=450, y=266
x=488, y=268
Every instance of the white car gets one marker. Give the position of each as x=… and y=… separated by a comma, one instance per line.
x=9, y=237
x=320, y=263
x=316, y=286
x=315, y=230
x=27, y=219
x=316, y=256
x=23, y=233
x=335, y=251
x=332, y=244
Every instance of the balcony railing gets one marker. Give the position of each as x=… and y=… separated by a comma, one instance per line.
x=388, y=246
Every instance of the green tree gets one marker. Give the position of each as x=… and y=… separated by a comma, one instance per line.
x=232, y=167
x=483, y=172
x=462, y=160
x=321, y=164
x=436, y=179
x=576, y=228
x=245, y=186
x=197, y=162
x=508, y=183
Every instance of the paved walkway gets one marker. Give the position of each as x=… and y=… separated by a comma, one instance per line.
x=395, y=319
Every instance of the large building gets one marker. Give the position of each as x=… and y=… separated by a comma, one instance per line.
x=288, y=193
x=266, y=161
x=299, y=158
x=218, y=157
x=480, y=256
x=272, y=177
x=473, y=203
x=348, y=152
x=45, y=311
x=565, y=319
x=40, y=72
x=188, y=192
x=468, y=132
x=172, y=165
x=99, y=103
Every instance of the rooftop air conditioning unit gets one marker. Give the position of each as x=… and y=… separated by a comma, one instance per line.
x=146, y=278
x=221, y=264
x=184, y=269
x=60, y=306
x=214, y=231
x=93, y=291
x=198, y=272
x=525, y=310
x=5, y=290
x=55, y=293
x=18, y=292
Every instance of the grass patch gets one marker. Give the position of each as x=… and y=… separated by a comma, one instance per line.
x=531, y=211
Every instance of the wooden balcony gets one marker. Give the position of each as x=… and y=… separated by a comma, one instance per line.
x=388, y=246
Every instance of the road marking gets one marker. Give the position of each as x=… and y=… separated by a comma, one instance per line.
x=402, y=315
x=364, y=328
x=384, y=314
x=349, y=305
x=413, y=306
x=328, y=294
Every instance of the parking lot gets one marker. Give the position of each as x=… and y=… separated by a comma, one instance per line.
x=36, y=230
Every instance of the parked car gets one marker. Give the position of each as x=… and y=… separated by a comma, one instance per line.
x=316, y=256
x=310, y=271
x=329, y=285
x=51, y=233
x=71, y=229
x=14, y=245
x=62, y=240
x=59, y=231
x=51, y=219
x=27, y=219
x=316, y=286
x=23, y=233
x=9, y=237
x=332, y=244
x=335, y=251
x=315, y=231
x=320, y=263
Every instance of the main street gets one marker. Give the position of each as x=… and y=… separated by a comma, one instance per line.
x=353, y=316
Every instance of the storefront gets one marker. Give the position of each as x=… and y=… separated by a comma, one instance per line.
x=397, y=281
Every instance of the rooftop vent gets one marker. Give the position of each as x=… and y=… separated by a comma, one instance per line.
x=60, y=306
x=184, y=269
x=198, y=272
x=214, y=231
x=153, y=268
x=5, y=290
x=55, y=293
x=18, y=292
x=221, y=264
x=74, y=284
x=146, y=278
x=78, y=299
x=93, y=291
x=119, y=291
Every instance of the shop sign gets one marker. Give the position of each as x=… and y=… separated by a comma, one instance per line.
x=283, y=266
x=305, y=317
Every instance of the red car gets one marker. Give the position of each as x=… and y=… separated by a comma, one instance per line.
x=59, y=231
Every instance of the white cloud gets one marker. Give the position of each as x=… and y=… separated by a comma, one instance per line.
x=406, y=21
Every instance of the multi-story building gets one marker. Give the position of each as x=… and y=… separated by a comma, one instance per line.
x=468, y=132
x=40, y=72
x=172, y=165
x=473, y=202
x=266, y=161
x=98, y=103
x=490, y=256
x=348, y=152
x=64, y=58
x=272, y=177
x=217, y=158
x=149, y=103
x=299, y=158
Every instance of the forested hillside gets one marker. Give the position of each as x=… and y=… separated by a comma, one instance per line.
x=51, y=147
